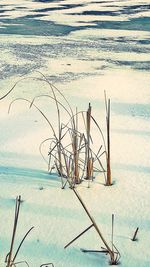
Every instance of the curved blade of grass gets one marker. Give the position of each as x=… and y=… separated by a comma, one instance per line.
x=21, y=243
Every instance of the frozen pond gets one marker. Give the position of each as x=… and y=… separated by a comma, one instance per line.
x=83, y=47
x=82, y=38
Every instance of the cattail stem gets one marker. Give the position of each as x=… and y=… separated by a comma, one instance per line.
x=88, y=160
x=79, y=235
x=17, y=208
x=111, y=253
x=109, y=180
x=135, y=234
x=112, y=234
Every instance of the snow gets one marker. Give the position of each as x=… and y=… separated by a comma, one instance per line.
x=56, y=214
x=82, y=64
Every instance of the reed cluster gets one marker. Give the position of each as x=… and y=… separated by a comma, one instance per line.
x=71, y=147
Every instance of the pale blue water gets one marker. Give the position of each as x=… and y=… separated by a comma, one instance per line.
x=37, y=18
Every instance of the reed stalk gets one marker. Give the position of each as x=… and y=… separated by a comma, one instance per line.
x=107, y=106
x=10, y=259
x=88, y=158
x=114, y=255
x=109, y=180
x=134, y=238
x=9, y=255
x=74, y=137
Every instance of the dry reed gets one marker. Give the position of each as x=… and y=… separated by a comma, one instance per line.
x=76, y=159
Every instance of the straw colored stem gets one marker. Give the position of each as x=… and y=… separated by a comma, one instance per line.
x=88, y=163
x=111, y=253
x=17, y=208
x=109, y=181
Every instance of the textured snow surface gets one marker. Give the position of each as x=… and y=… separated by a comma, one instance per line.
x=84, y=48
x=56, y=214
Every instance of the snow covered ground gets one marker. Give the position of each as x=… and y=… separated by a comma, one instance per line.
x=82, y=63
x=56, y=214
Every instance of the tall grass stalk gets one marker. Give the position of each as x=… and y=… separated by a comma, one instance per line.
x=10, y=254
x=107, y=106
x=113, y=252
x=10, y=259
x=88, y=156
